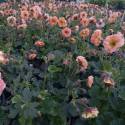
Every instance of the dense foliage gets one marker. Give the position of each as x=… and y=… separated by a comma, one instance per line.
x=61, y=64
x=116, y=4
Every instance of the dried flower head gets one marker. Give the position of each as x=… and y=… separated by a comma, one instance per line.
x=11, y=20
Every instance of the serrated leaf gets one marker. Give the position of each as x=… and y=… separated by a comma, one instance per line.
x=16, y=99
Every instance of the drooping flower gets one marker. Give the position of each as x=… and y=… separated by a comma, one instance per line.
x=72, y=40
x=39, y=43
x=90, y=112
x=2, y=85
x=96, y=37
x=62, y=22
x=66, y=32
x=82, y=62
x=90, y=81
x=113, y=42
x=108, y=81
x=31, y=55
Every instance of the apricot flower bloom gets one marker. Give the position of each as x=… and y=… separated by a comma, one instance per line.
x=82, y=62
x=39, y=43
x=113, y=17
x=96, y=37
x=53, y=20
x=35, y=12
x=2, y=85
x=90, y=81
x=113, y=42
x=24, y=15
x=83, y=14
x=84, y=21
x=84, y=33
x=62, y=22
x=66, y=32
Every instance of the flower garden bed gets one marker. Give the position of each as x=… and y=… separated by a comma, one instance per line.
x=61, y=64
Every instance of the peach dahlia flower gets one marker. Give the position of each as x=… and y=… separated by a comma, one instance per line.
x=66, y=32
x=96, y=37
x=113, y=42
x=62, y=22
x=82, y=62
x=84, y=21
x=24, y=15
x=90, y=81
x=53, y=20
x=84, y=33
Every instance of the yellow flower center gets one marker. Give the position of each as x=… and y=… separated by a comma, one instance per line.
x=113, y=43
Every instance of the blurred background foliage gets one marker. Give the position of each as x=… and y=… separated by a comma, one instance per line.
x=117, y=4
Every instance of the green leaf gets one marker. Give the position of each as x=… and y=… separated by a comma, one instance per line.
x=117, y=122
x=30, y=110
x=27, y=95
x=22, y=121
x=16, y=99
x=13, y=113
x=54, y=69
x=122, y=92
x=106, y=66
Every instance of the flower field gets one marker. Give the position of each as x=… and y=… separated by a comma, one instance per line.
x=61, y=63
